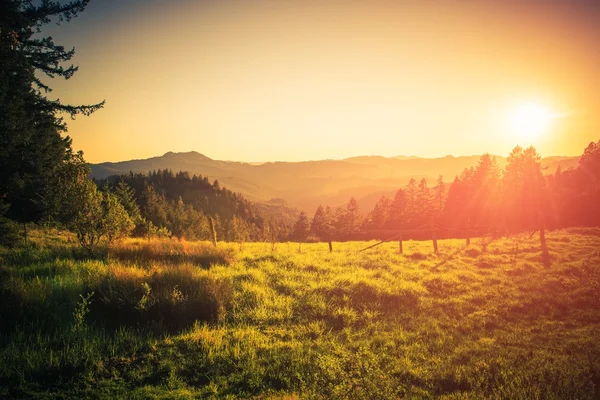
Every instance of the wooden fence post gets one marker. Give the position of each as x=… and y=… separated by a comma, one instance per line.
x=400, y=244
x=213, y=232
x=467, y=231
x=545, y=254
x=433, y=236
x=330, y=245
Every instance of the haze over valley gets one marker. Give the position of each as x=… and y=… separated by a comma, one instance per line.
x=307, y=184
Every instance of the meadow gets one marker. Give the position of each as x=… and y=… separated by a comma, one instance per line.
x=177, y=320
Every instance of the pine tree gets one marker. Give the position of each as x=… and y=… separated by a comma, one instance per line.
x=483, y=202
x=397, y=216
x=320, y=225
x=33, y=150
x=339, y=222
x=439, y=197
x=423, y=204
x=126, y=196
x=378, y=217
x=301, y=228
x=353, y=218
x=155, y=207
x=523, y=188
x=411, y=207
x=178, y=219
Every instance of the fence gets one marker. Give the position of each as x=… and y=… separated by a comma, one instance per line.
x=432, y=229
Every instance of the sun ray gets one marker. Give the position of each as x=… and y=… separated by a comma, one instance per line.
x=531, y=120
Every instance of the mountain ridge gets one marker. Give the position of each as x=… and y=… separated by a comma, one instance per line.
x=306, y=184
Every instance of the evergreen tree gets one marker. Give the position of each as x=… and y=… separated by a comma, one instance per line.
x=178, y=219
x=523, y=189
x=154, y=207
x=423, y=208
x=483, y=202
x=439, y=197
x=378, y=217
x=32, y=150
x=353, y=218
x=320, y=225
x=339, y=222
x=411, y=207
x=301, y=228
x=126, y=197
x=397, y=215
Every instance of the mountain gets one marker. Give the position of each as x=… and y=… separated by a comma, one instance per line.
x=310, y=183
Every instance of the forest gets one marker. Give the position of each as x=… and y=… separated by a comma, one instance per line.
x=483, y=199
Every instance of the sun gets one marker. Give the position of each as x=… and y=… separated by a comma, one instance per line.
x=530, y=121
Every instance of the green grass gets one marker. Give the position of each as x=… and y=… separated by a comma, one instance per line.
x=167, y=319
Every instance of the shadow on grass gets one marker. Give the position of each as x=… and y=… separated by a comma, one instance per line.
x=143, y=257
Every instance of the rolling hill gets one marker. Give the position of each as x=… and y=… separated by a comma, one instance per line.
x=310, y=183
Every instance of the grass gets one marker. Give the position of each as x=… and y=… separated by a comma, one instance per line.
x=170, y=319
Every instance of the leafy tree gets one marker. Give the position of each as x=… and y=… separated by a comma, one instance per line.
x=273, y=232
x=96, y=216
x=116, y=222
x=87, y=220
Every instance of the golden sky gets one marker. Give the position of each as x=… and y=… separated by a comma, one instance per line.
x=281, y=80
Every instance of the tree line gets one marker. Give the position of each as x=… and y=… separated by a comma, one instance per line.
x=483, y=199
x=42, y=179
x=193, y=208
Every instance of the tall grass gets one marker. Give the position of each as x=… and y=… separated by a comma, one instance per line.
x=175, y=319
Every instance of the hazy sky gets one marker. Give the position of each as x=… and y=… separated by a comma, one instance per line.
x=281, y=80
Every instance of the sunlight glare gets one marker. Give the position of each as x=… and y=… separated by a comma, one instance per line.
x=530, y=121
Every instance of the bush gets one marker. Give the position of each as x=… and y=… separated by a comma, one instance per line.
x=100, y=216
x=174, y=297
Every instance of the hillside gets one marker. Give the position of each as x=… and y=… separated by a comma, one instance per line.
x=171, y=319
x=310, y=183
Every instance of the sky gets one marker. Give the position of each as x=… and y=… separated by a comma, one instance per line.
x=306, y=80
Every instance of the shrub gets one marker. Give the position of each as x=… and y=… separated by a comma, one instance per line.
x=174, y=297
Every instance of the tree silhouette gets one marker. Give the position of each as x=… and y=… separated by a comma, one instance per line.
x=301, y=229
x=320, y=225
x=33, y=149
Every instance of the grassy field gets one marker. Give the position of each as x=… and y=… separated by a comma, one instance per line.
x=169, y=319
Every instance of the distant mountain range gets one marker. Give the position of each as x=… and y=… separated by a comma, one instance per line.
x=310, y=183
